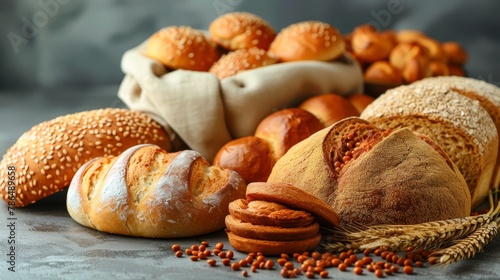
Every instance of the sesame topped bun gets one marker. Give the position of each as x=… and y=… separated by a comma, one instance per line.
x=182, y=47
x=308, y=40
x=241, y=30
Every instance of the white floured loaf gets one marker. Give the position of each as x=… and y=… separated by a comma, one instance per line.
x=148, y=192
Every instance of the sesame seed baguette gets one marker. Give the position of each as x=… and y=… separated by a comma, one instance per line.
x=148, y=192
x=48, y=155
x=457, y=123
x=488, y=96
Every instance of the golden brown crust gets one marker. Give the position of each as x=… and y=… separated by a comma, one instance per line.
x=308, y=40
x=272, y=248
x=149, y=192
x=360, y=101
x=455, y=53
x=287, y=127
x=329, y=108
x=241, y=60
x=241, y=30
x=412, y=59
x=382, y=72
x=295, y=198
x=48, y=155
x=250, y=156
x=262, y=212
x=253, y=157
x=182, y=47
x=369, y=45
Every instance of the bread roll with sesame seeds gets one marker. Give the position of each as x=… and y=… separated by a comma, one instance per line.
x=459, y=124
x=241, y=60
x=148, y=192
x=488, y=96
x=308, y=40
x=374, y=176
x=48, y=155
x=241, y=30
x=182, y=47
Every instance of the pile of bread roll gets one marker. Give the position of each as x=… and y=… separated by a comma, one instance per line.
x=253, y=157
x=393, y=58
x=241, y=41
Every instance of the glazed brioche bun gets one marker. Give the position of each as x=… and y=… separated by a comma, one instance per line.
x=329, y=108
x=182, y=47
x=285, y=128
x=251, y=157
x=241, y=30
x=308, y=40
x=241, y=60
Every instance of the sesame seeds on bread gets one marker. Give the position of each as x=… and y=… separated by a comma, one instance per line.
x=48, y=155
x=308, y=40
x=457, y=123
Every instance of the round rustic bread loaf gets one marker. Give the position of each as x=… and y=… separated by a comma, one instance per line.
x=374, y=176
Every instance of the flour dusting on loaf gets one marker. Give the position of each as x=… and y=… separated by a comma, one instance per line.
x=149, y=192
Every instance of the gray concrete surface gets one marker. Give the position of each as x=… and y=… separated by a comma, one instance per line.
x=50, y=245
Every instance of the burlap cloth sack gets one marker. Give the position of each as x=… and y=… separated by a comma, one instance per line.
x=205, y=112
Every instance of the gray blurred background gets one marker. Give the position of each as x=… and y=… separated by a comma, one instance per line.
x=63, y=56
x=54, y=43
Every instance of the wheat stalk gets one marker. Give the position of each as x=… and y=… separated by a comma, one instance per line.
x=398, y=237
x=430, y=236
x=468, y=246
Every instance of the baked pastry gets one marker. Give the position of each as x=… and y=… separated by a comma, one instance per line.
x=308, y=40
x=384, y=73
x=241, y=60
x=369, y=45
x=455, y=53
x=48, y=155
x=149, y=192
x=412, y=60
x=457, y=123
x=182, y=47
x=488, y=96
x=329, y=108
x=373, y=176
x=272, y=220
x=254, y=156
x=241, y=30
